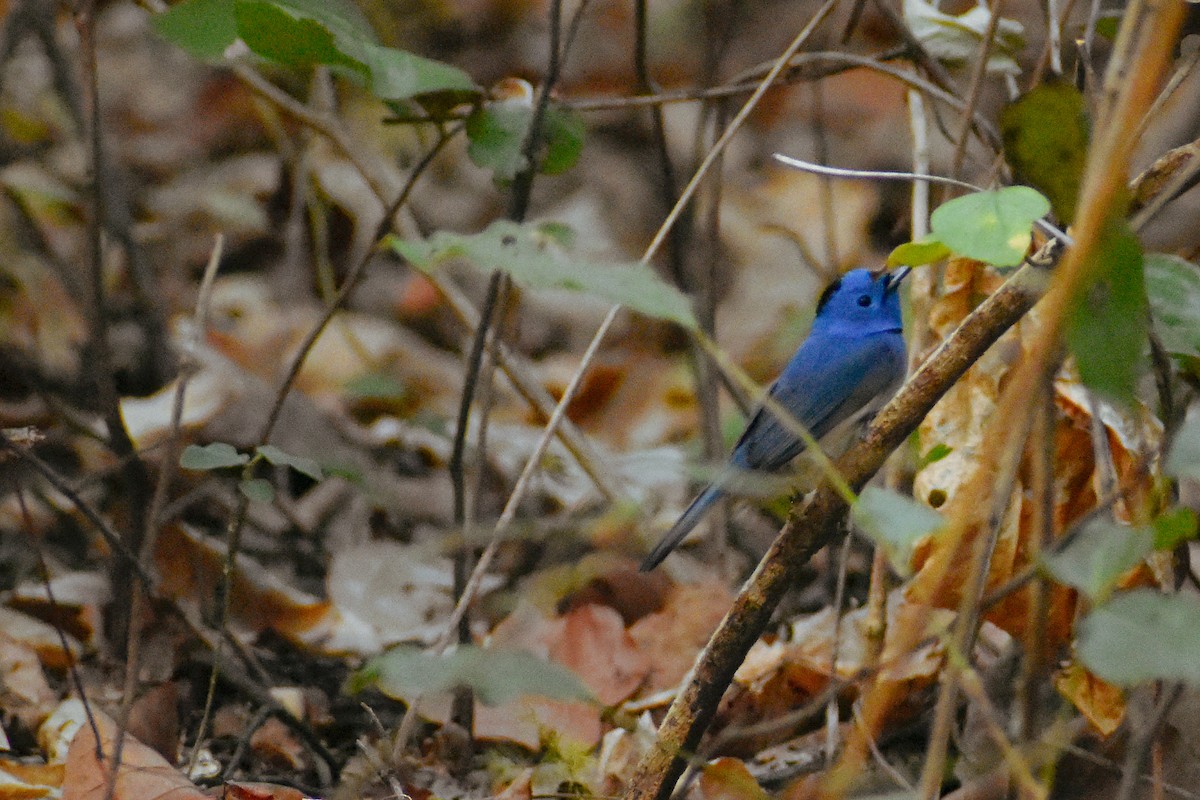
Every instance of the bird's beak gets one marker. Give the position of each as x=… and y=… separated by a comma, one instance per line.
x=894, y=279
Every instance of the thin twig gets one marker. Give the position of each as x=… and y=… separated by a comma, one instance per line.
x=170, y=457
x=975, y=88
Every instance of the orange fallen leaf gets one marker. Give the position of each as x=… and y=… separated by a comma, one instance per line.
x=673, y=636
x=143, y=773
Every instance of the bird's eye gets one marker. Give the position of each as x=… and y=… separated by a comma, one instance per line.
x=864, y=300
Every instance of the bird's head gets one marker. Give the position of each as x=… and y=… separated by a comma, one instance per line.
x=861, y=301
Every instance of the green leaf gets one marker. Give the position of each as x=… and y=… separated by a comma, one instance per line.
x=205, y=28
x=217, y=455
x=1106, y=327
x=495, y=675
x=376, y=386
x=305, y=466
x=1173, y=288
x=956, y=39
x=1173, y=528
x=399, y=75
x=894, y=522
x=535, y=259
x=564, y=133
x=1098, y=555
x=994, y=226
x=916, y=254
x=1183, y=459
x=259, y=489
x=304, y=33
x=288, y=37
x=1143, y=636
x=935, y=454
x=1046, y=140
x=497, y=133
x=342, y=16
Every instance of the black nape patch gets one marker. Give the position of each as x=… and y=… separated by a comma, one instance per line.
x=828, y=293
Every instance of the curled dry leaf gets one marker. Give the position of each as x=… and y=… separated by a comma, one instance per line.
x=24, y=691
x=1102, y=703
x=41, y=637
x=191, y=566
x=958, y=424
x=276, y=745
x=779, y=677
x=79, y=598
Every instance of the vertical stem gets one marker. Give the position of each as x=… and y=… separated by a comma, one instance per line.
x=1042, y=488
x=133, y=470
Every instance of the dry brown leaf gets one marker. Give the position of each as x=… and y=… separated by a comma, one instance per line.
x=42, y=637
x=672, y=637
x=959, y=422
x=275, y=744
x=595, y=646
x=79, y=598
x=20, y=781
x=728, y=779
x=1102, y=703
x=24, y=691
x=252, y=330
x=238, y=790
x=143, y=773
x=192, y=565
x=589, y=640
x=154, y=720
x=779, y=677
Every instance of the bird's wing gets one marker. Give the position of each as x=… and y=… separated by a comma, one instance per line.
x=826, y=382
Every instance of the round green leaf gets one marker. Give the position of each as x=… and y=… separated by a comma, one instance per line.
x=305, y=466
x=287, y=36
x=217, y=455
x=1106, y=327
x=895, y=522
x=205, y=28
x=993, y=226
x=1143, y=636
x=1173, y=288
x=258, y=489
x=1174, y=527
x=1100, y=554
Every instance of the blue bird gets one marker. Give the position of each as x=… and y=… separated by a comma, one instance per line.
x=848, y=367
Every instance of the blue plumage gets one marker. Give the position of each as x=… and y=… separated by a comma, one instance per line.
x=850, y=364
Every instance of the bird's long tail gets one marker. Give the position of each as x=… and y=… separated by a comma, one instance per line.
x=682, y=527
